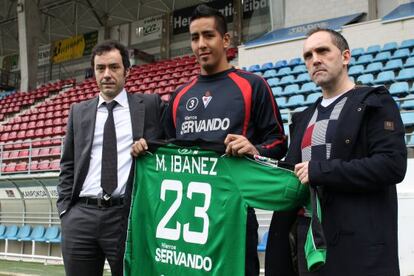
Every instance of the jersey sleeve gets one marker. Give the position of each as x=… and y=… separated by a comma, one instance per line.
x=269, y=133
x=266, y=187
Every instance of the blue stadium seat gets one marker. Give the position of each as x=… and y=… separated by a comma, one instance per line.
x=302, y=78
x=259, y=73
x=295, y=61
x=261, y=247
x=356, y=70
x=352, y=61
x=277, y=91
x=52, y=232
x=407, y=118
x=299, y=108
x=408, y=105
x=37, y=232
x=280, y=64
x=409, y=62
x=11, y=231
x=23, y=232
x=2, y=229
x=271, y=73
x=373, y=49
x=364, y=59
x=385, y=77
x=273, y=82
x=285, y=117
x=309, y=87
x=298, y=69
x=390, y=46
x=254, y=68
x=58, y=239
x=405, y=74
x=283, y=72
x=291, y=89
x=408, y=43
x=366, y=79
x=295, y=101
x=356, y=52
x=287, y=80
x=382, y=56
x=281, y=102
x=394, y=64
x=373, y=68
x=310, y=99
x=401, y=53
x=266, y=66
x=399, y=89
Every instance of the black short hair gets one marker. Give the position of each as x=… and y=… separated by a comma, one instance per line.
x=337, y=39
x=109, y=45
x=205, y=11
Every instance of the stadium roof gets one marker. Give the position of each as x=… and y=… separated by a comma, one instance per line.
x=66, y=18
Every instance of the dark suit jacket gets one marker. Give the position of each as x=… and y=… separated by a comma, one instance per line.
x=359, y=200
x=145, y=117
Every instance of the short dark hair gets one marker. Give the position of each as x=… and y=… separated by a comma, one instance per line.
x=109, y=45
x=205, y=11
x=337, y=39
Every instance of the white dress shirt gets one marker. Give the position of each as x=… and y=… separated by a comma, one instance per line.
x=123, y=127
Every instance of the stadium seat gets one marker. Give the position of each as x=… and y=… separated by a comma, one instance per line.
x=33, y=166
x=281, y=102
x=390, y=46
x=399, y=89
x=408, y=118
x=43, y=165
x=409, y=62
x=382, y=56
x=277, y=91
x=290, y=79
x=21, y=166
x=261, y=247
x=295, y=101
x=51, y=233
x=273, y=82
x=373, y=68
x=309, y=87
x=56, y=240
x=310, y=99
x=401, y=53
x=356, y=70
x=23, y=232
x=280, y=64
x=283, y=72
x=291, y=90
x=373, y=49
x=408, y=43
x=385, y=77
x=2, y=229
x=366, y=79
x=364, y=59
x=302, y=78
x=252, y=68
x=405, y=74
x=10, y=232
x=271, y=73
x=356, y=52
x=266, y=66
x=394, y=64
x=298, y=69
x=55, y=165
x=408, y=105
x=295, y=61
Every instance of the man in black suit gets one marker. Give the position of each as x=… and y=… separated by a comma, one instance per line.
x=349, y=146
x=97, y=165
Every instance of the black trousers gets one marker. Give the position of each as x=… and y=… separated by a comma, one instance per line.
x=90, y=235
x=252, y=259
x=278, y=259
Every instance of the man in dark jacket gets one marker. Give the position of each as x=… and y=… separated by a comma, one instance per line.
x=349, y=145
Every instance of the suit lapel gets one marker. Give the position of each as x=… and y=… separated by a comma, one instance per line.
x=137, y=111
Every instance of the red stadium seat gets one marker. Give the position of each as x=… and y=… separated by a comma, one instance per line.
x=31, y=125
x=33, y=165
x=10, y=167
x=30, y=133
x=43, y=165
x=56, y=151
x=5, y=155
x=48, y=131
x=21, y=166
x=39, y=133
x=49, y=122
x=24, y=153
x=21, y=134
x=55, y=165
x=44, y=152
x=12, y=135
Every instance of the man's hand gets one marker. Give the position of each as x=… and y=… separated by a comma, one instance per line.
x=301, y=171
x=139, y=147
x=238, y=145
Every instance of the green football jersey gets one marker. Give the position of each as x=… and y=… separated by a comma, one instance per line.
x=189, y=208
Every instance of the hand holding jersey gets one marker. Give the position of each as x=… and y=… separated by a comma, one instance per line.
x=238, y=145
